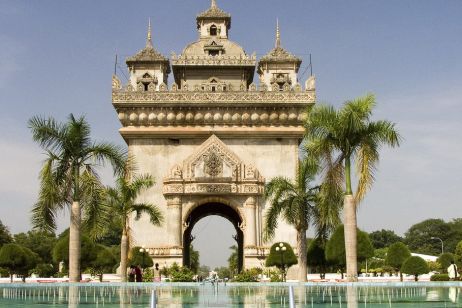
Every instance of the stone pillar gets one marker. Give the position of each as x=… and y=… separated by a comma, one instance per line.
x=250, y=237
x=173, y=219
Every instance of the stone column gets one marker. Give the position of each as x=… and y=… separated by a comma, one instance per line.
x=250, y=237
x=173, y=219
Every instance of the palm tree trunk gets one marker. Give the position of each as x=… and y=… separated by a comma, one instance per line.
x=123, y=256
x=301, y=247
x=349, y=208
x=74, y=243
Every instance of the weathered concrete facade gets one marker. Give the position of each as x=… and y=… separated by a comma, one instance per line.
x=213, y=138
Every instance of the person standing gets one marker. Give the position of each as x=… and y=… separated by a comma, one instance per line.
x=131, y=274
x=138, y=274
x=157, y=275
x=452, y=271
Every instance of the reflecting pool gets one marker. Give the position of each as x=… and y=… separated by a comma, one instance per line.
x=232, y=295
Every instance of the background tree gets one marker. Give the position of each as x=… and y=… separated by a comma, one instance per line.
x=194, y=262
x=104, y=261
x=295, y=201
x=40, y=242
x=17, y=260
x=335, y=247
x=396, y=255
x=384, y=238
x=142, y=259
x=233, y=260
x=68, y=177
x=418, y=237
x=5, y=235
x=415, y=266
x=203, y=271
x=281, y=259
x=339, y=137
x=121, y=202
x=445, y=260
x=223, y=272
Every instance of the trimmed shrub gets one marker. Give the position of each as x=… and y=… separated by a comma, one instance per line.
x=445, y=260
x=439, y=277
x=104, y=262
x=415, y=266
x=316, y=256
x=17, y=260
x=140, y=258
x=275, y=259
x=335, y=247
x=396, y=255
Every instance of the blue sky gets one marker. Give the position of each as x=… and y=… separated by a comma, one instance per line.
x=57, y=57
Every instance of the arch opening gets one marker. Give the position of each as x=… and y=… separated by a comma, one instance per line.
x=208, y=209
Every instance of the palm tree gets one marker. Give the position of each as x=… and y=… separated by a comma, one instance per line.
x=338, y=137
x=68, y=177
x=121, y=202
x=296, y=202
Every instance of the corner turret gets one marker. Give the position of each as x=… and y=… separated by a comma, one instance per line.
x=278, y=68
x=148, y=68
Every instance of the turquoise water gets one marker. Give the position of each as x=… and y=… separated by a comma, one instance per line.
x=232, y=295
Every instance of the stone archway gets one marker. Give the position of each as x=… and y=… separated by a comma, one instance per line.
x=214, y=181
x=207, y=209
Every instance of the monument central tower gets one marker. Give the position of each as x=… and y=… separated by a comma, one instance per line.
x=213, y=137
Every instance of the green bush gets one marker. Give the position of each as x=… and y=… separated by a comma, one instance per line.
x=176, y=273
x=249, y=275
x=439, y=277
x=148, y=275
x=415, y=266
x=275, y=276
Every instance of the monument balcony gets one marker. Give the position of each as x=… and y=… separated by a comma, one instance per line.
x=186, y=112
x=186, y=96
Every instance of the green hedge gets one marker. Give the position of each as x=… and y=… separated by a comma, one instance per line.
x=439, y=277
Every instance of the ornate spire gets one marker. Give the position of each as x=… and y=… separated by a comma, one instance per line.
x=149, y=38
x=213, y=4
x=278, y=34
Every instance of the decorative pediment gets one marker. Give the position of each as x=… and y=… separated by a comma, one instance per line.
x=213, y=169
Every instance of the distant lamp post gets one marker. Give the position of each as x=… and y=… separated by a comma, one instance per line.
x=442, y=244
x=143, y=250
x=281, y=248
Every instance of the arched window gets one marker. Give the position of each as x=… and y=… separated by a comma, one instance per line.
x=213, y=30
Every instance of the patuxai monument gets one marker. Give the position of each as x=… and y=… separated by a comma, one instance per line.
x=213, y=136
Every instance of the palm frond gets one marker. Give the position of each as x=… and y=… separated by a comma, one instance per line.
x=50, y=200
x=93, y=203
x=366, y=162
x=100, y=152
x=48, y=133
x=155, y=215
